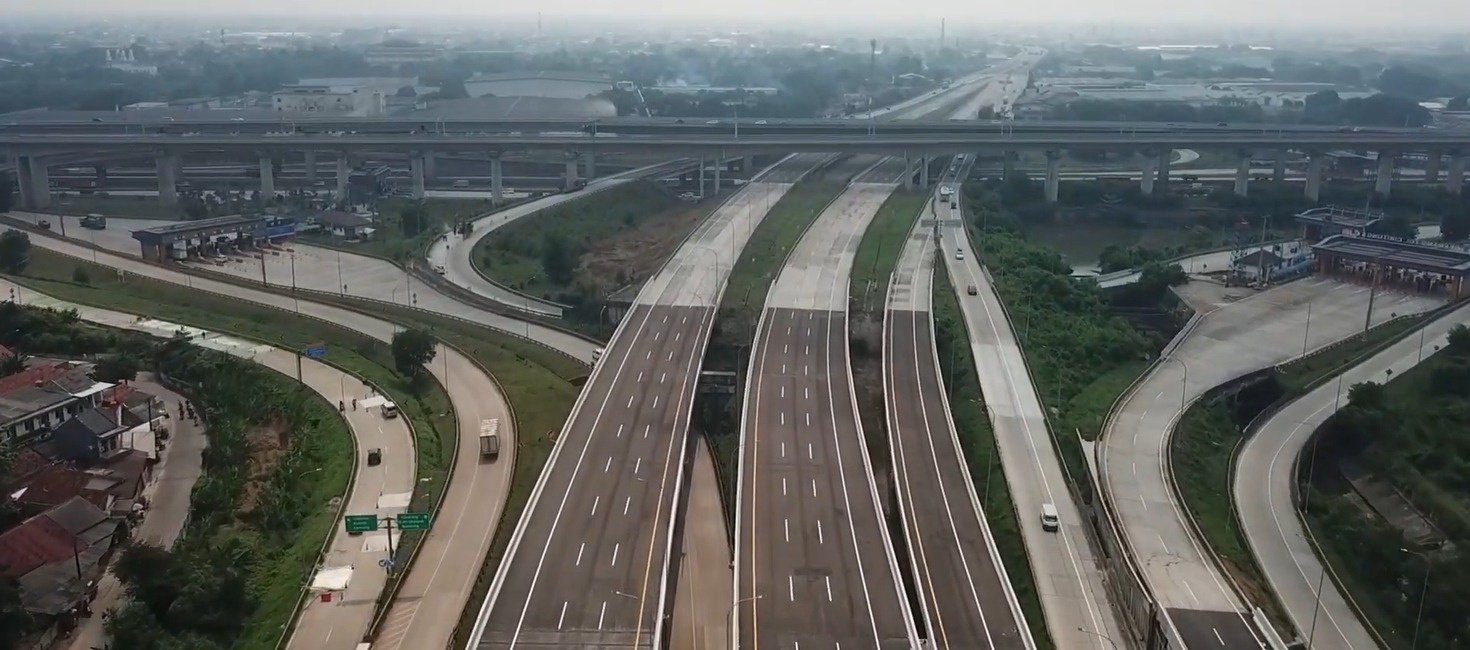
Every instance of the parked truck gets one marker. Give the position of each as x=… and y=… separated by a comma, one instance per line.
x=490, y=438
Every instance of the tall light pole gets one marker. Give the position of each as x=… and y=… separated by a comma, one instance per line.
x=1100, y=636
x=1423, y=592
x=731, y=616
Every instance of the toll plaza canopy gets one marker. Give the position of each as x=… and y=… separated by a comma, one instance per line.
x=158, y=238
x=1395, y=253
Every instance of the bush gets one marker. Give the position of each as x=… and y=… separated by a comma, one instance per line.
x=80, y=275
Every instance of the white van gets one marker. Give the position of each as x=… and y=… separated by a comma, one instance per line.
x=1049, y=520
x=597, y=355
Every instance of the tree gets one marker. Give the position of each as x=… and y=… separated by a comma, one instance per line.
x=14, y=619
x=412, y=348
x=134, y=626
x=556, y=258
x=116, y=367
x=80, y=275
x=411, y=219
x=15, y=251
x=151, y=575
x=1368, y=395
x=7, y=196
x=1459, y=341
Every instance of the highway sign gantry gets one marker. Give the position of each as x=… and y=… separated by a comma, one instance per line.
x=408, y=521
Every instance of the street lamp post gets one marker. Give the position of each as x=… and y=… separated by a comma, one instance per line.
x=731, y=616
x=1423, y=592
x=1100, y=636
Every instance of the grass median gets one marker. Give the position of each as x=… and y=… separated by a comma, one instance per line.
x=977, y=441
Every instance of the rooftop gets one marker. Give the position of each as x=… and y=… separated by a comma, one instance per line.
x=202, y=224
x=1393, y=252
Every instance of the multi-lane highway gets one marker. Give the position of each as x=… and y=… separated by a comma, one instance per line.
x=963, y=589
x=587, y=566
x=1227, y=342
x=814, y=563
x=1265, y=493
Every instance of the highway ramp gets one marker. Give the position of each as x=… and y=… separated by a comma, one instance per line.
x=964, y=590
x=1265, y=493
x=1232, y=340
x=587, y=566
x=814, y=563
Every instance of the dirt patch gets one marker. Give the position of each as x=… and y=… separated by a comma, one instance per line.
x=633, y=255
x=268, y=443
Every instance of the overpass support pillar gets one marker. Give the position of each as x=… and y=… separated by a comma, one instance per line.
x=1008, y=165
x=571, y=175
x=1454, y=178
x=1278, y=173
x=924, y=172
x=1383, y=185
x=267, y=179
x=908, y=172
x=1314, y=176
x=497, y=180
x=99, y=173
x=1243, y=174
x=168, y=178
x=343, y=173
x=23, y=181
x=1053, y=175
x=1165, y=157
x=1431, y=166
x=40, y=182
x=416, y=170
x=719, y=166
x=309, y=160
x=430, y=160
x=589, y=164
x=1149, y=175
x=701, y=176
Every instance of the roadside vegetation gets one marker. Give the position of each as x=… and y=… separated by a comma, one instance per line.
x=1408, y=432
x=406, y=227
x=1203, y=446
x=580, y=251
x=425, y=404
x=977, y=441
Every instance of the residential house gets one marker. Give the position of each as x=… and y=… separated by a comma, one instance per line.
x=56, y=554
x=345, y=224
x=94, y=434
x=36, y=400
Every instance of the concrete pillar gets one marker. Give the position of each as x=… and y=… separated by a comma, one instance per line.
x=1165, y=157
x=1053, y=175
x=1431, y=166
x=99, y=174
x=1243, y=175
x=701, y=177
x=719, y=166
x=908, y=173
x=1278, y=173
x=1383, y=185
x=1149, y=175
x=1315, y=163
x=571, y=179
x=23, y=183
x=924, y=172
x=1008, y=164
x=416, y=170
x=310, y=162
x=1454, y=178
x=589, y=164
x=167, y=165
x=497, y=180
x=430, y=158
x=40, y=183
x=267, y=178
x=344, y=172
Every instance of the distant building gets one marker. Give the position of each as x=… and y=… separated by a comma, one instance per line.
x=124, y=59
x=716, y=90
x=396, y=55
x=354, y=96
x=345, y=225
x=555, y=85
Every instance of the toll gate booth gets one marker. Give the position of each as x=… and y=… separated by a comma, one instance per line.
x=1409, y=266
x=182, y=240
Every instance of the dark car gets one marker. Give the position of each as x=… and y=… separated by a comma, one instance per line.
x=375, y=457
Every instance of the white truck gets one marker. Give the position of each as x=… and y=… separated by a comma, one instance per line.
x=490, y=438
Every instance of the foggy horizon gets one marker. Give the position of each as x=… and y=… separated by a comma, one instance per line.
x=1301, y=15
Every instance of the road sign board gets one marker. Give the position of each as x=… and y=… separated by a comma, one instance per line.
x=413, y=521
x=361, y=523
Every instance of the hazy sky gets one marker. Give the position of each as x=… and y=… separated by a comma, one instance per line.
x=1444, y=15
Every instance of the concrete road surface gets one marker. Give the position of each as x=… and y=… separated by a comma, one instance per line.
x=1263, y=492
x=332, y=271
x=588, y=564
x=702, y=599
x=962, y=586
x=1257, y=332
x=814, y=563
x=340, y=623
x=1066, y=571
x=475, y=398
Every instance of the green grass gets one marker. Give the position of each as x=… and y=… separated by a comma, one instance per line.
x=429, y=411
x=390, y=242
x=878, y=252
x=763, y=255
x=1202, y=447
x=977, y=440
x=1088, y=409
x=511, y=254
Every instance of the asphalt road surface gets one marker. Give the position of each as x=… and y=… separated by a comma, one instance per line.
x=1263, y=491
x=587, y=566
x=814, y=562
x=1257, y=332
x=963, y=588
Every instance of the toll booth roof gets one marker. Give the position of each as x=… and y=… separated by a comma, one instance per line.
x=1401, y=254
x=1344, y=218
x=184, y=228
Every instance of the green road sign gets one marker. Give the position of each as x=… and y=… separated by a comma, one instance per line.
x=413, y=521
x=361, y=523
